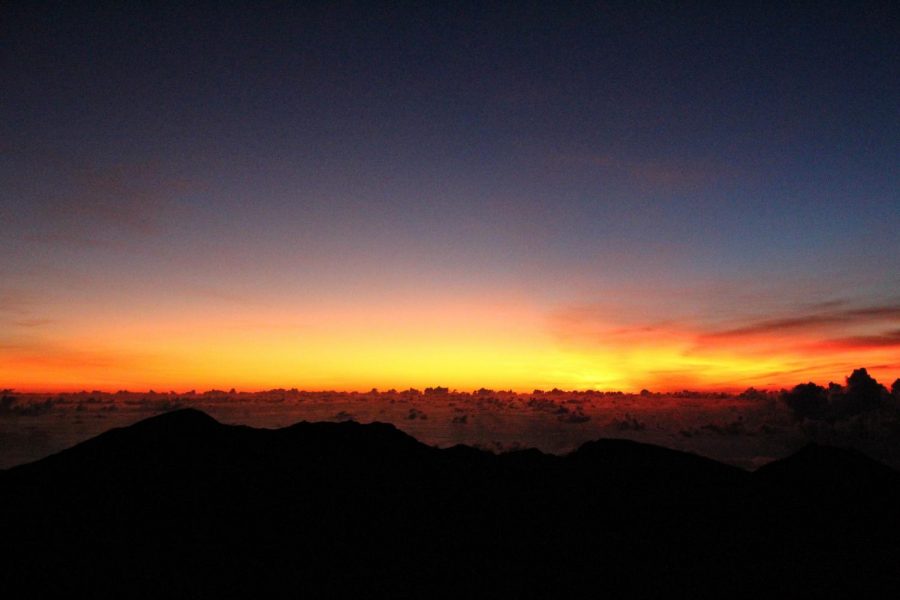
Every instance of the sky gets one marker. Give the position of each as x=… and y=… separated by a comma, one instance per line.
x=517, y=196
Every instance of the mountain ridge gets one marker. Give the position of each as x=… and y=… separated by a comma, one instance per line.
x=192, y=421
x=187, y=506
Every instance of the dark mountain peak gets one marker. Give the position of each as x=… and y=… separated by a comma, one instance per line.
x=351, y=430
x=826, y=465
x=181, y=502
x=168, y=438
x=839, y=478
x=181, y=420
x=629, y=454
x=637, y=461
x=350, y=440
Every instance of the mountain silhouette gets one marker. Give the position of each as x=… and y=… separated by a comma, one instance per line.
x=826, y=468
x=180, y=505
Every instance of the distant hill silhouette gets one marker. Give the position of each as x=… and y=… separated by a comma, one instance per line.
x=180, y=505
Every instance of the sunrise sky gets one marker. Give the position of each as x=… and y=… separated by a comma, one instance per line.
x=513, y=196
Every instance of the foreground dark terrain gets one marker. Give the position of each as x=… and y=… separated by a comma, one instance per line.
x=181, y=505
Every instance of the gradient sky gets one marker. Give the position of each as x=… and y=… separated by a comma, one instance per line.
x=347, y=195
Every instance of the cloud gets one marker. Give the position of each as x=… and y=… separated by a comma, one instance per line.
x=733, y=428
x=886, y=312
x=657, y=174
x=33, y=322
x=814, y=321
x=604, y=324
x=800, y=372
x=34, y=363
x=66, y=239
x=10, y=405
x=888, y=339
x=643, y=346
x=778, y=325
x=49, y=357
x=14, y=301
x=667, y=174
x=101, y=207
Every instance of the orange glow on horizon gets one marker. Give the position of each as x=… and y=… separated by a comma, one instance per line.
x=463, y=346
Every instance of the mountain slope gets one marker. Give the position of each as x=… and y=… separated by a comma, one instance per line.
x=181, y=505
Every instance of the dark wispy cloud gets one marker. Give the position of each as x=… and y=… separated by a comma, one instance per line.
x=68, y=239
x=33, y=322
x=886, y=340
x=666, y=174
x=835, y=318
x=816, y=341
x=13, y=301
x=99, y=207
x=26, y=353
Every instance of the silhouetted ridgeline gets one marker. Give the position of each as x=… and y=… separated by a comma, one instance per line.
x=180, y=505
